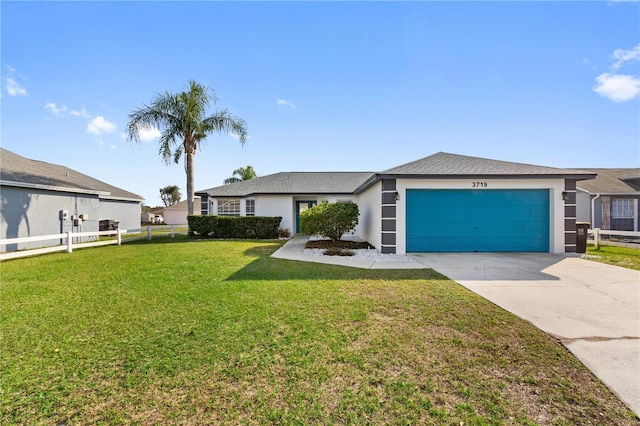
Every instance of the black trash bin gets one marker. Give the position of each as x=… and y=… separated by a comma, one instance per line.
x=581, y=236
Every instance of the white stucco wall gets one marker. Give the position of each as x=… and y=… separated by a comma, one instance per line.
x=583, y=206
x=556, y=204
x=176, y=216
x=370, y=224
x=277, y=205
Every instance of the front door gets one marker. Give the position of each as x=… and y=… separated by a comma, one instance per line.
x=300, y=207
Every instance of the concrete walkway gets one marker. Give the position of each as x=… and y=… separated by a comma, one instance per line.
x=592, y=308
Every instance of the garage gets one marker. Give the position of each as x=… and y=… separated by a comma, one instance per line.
x=484, y=220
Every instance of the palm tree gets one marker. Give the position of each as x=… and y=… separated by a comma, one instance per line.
x=170, y=195
x=183, y=124
x=241, y=173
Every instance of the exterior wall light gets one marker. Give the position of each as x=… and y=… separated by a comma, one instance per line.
x=396, y=195
x=565, y=195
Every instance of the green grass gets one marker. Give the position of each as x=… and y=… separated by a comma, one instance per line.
x=217, y=332
x=619, y=256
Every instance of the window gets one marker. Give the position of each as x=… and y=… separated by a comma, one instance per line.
x=204, y=205
x=229, y=207
x=622, y=208
x=251, y=207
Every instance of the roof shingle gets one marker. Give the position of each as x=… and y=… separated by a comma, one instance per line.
x=15, y=168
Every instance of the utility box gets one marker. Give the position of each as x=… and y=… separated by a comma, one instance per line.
x=581, y=236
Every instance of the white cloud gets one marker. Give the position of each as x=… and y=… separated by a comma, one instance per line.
x=11, y=84
x=284, y=102
x=621, y=56
x=14, y=88
x=148, y=133
x=99, y=125
x=55, y=109
x=80, y=113
x=617, y=87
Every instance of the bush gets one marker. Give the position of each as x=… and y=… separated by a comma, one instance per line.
x=330, y=220
x=262, y=227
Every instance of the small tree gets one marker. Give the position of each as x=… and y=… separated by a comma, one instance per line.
x=170, y=195
x=330, y=220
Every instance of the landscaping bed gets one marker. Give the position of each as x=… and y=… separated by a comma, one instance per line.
x=341, y=244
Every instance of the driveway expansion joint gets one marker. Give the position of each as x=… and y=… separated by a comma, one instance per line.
x=568, y=340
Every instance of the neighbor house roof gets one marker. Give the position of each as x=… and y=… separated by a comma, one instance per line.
x=293, y=183
x=19, y=171
x=613, y=181
x=182, y=205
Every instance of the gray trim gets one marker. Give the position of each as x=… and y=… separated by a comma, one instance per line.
x=569, y=239
x=388, y=225
x=388, y=185
x=388, y=250
x=570, y=224
x=570, y=184
x=388, y=239
x=389, y=197
x=388, y=212
x=570, y=211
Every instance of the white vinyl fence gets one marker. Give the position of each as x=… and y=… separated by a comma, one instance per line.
x=629, y=239
x=69, y=237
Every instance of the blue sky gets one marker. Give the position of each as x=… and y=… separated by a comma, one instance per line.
x=360, y=86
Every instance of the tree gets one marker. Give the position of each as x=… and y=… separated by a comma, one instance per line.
x=241, y=173
x=170, y=195
x=330, y=220
x=184, y=125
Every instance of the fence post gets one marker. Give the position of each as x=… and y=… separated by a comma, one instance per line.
x=69, y=242
x=596, y=238
x=149, y=233
x=172, y=231
x=119, y=236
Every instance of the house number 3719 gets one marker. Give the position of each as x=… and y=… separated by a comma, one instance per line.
x=479, y=184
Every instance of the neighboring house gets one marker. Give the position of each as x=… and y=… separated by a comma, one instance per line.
x=610, y=201
x=442, y=203
x=177, y=213
x=40, y=198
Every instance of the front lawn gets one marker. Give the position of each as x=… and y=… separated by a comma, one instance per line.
x=620, y=256
x=217, y=332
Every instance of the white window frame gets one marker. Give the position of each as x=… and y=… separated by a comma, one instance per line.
x=622, y=208
x=229, y=207
x=250, y=207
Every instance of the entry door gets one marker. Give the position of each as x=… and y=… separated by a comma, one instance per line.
x=300, y=207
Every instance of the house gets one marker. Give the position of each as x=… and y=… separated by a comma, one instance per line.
x=40, y=198
x=177, y=213
x=443, y=203
x=610, y=201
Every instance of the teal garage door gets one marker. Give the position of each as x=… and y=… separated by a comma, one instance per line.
x=477, y=220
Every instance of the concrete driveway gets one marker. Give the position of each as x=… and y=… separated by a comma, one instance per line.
x=593, y=308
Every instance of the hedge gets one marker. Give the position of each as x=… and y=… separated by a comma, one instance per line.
x=262, y=227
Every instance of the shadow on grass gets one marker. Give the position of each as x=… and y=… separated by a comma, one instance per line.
x=264, y=267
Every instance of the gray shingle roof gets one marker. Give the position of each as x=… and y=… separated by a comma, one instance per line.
x=613, y=181
x=32, y=173
x=445, y=164
x=438, y=165
x=293, y=183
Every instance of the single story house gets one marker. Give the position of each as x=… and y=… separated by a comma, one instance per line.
x=176, y=214
x=40, y=198
x=440, y=203
x=610, y=201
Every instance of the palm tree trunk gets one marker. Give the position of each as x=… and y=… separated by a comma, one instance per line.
x=190, y=190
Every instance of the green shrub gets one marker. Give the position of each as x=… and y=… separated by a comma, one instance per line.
x=262, y=227
x=330, y=220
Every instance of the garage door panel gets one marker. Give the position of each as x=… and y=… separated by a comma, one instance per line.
x=471, y=220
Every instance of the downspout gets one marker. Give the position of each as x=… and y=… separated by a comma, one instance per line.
x=593, y=211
